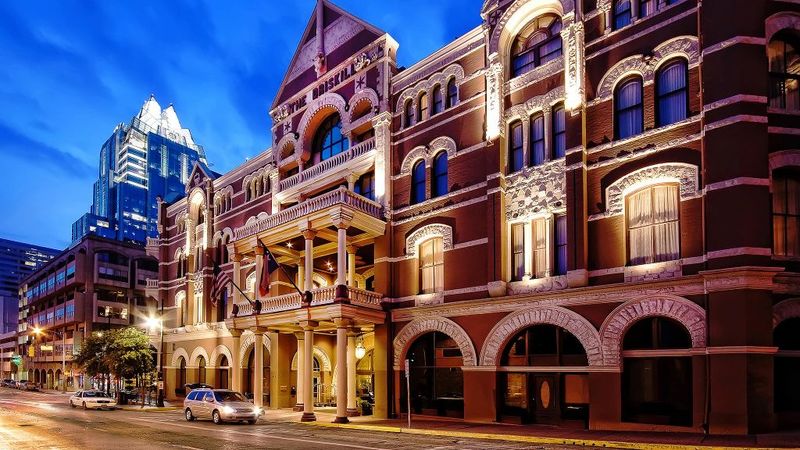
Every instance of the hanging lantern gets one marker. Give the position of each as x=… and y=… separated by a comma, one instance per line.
x=360, y=350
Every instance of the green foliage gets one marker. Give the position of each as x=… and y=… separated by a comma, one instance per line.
x=125, y=353
x=92, y=354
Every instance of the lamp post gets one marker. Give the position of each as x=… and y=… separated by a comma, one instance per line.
x=60, y=334
x=151, y=323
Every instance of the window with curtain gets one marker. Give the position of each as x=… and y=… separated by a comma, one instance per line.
x=672, y=93
x=538, y=155
x=540, y=256
x=560, y=256
x=653, y=226
x=408, y=114
x=438, y=102
x=628, y=110
x=786, y=213
x=622, y=14
x=422, y=107
x=517, y=251
x=329, y=140
x=439, y=181
x=647, y=7
x=452, y=93
x=418, y=182
x=559, y=132
x=784, y=72
x=538, y=43
x=431, y=266
x=515, y=147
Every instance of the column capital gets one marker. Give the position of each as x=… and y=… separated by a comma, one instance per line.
x=259, y=330
x=352, y=249
x=308, y=234
x=235, y=333
x=342, y=322
x=308, y=325
x=259, y=250
x=299, y=335
x=235, y=257
x=341, y=218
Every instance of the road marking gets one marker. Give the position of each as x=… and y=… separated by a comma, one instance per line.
x=268, y=435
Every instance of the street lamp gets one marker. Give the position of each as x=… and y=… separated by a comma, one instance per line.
x=152, y=322
x=60, y=334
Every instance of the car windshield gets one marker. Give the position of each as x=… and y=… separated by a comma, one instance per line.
x=93, y=394
x=229, y=396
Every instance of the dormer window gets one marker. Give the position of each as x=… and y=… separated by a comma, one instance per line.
x=538, y=43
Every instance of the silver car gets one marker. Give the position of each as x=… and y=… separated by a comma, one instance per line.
x=219, y=405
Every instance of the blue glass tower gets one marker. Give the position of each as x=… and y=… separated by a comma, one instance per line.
x=150, y=157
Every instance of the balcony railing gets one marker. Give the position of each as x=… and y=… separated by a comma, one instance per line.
x=152, y=283
x=339, y=196
x=324, y=166
x=321, y=296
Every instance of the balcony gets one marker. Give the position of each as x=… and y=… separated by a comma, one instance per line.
x=325, y=166
x=322, y=296
x=152, y=283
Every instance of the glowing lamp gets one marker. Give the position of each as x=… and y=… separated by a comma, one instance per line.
x=360, y=350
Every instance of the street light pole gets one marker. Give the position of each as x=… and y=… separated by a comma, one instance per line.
x=63, y=358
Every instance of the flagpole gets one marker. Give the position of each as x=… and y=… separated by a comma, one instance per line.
x=234, y=284
x=282, y=269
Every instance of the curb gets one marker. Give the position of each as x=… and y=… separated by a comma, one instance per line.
x=139, y=409
x=530, y=439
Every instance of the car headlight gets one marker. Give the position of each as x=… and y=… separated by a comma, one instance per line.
x=257, y=411
x=228, y=410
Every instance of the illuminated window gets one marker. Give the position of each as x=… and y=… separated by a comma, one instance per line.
x=538, y=43
x=537, y=140
x=628, y=109
x=422, y=107
x=329, y=140
x=431, y=266
x=408, y=113
x=653, y=226
x=540, y=255
x=786, y=213
x=515, y=146
x=517, y=251
x=559, y=132
x=784, y=72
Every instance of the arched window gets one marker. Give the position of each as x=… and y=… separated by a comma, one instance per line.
x=329, y=140
x=653, y=225
x=515, y=144
x=180, y=302
x=672, y=93
x=656, y=388
x=222, y=372
x=181, y=265
x=181, y=381
x=786, y=337
x=452, y=93
x=622, y=14
x=201, y=369
x=431, y=266
x=538, y=154
x=628, y=110
x=418, y=182
x=439, y=181
x=437, y=382
x=784, y=72
x=422, y=107
x=538, y=43
x=786, y=213
x=559, y=132
x=438, y=102
x=408, y=113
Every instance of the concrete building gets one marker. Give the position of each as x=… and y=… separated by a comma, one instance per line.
x=17, y=260
x=573, y=212
x=95, y=285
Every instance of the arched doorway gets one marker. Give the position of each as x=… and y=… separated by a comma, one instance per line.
x=249, y=379
x=786, y=337
x=543, y=377
x=657, y=384
x=181, y=379
x=436, y=378
x=36, y=378
x=365, y=382
x=223, y=371
x=57, y=379
x=201, y=369
x=49, y=382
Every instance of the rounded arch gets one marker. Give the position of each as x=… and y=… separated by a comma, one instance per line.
x=366, y=94
x=218, y=352
x=781, y=21
x=420, y=326
x=784, y=158
x=520, y=14
x=179, y=353
x=412, y=157
x=411, y=94
x=571, y=321
x=684, y=311
x=288, y=139
x=196, y=353
x=431, y=230
x=315, y=112
x=426, y=153
x=685, y=174
x=319, y=279
x=785, y=309
x=248, y=339
x=324, y=360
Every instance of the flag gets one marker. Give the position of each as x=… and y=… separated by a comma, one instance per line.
x=221, y=280
x=269, y=266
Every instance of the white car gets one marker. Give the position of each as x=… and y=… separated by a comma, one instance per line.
x=92, y=400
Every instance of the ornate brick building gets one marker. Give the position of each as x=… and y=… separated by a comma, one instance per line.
x=544, y=219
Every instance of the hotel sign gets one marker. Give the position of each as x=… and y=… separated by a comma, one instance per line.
x=329, y=84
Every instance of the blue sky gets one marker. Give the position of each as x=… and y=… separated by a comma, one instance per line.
x=71, y=70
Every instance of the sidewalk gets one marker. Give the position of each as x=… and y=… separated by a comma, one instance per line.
x=548, y=435
x=168, y=406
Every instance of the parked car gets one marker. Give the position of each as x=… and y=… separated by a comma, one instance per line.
x=189, y=387
x=92, y=400
x=8, y=383
x=27, y=386
x=219, y=405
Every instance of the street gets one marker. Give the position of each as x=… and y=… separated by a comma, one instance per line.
x=36, y=420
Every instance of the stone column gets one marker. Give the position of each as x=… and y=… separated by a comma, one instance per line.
x=259, y=266
x=300, y=366
x=309, y=257
x=351, y=265
x=341, y=220
x=383, y=176
x=301, y=272
x=352, y=408
x=236, y=363
x=308, y=372
x=258, y=382
x=547, y=114
x=342, y=371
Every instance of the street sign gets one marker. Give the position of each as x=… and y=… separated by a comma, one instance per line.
x=31, y=351
x=16, y=359
x=46, y=348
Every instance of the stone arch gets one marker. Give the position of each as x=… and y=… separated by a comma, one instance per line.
x=367, y=94
x=684, y=311
x=524, y=111
x=420, y=326
x=196, y=353
x=324, y=360
x=438, y=79
x=319, y=279
x=785, y=309
x=784, y=158
x=517, y=16
x=179, y=352
x=326, y=102
x=287, y=139
x=781, y=21
x=427, y=152
x=571, y=321
x=219, y=351
x=248, y=339
x=412, y=157
x=684, y=174
x=431, y=230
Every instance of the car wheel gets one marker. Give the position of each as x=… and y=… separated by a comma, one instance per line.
x=189, y=415
x=84, y=405
x=216, y=417
x=252, y=422
x=71, y=404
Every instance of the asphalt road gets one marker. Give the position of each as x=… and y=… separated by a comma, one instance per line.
x=30, y=420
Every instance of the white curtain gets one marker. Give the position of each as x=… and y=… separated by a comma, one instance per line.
x=518, y=250
x=653, y=226
x=431, y=263
x=540, y=248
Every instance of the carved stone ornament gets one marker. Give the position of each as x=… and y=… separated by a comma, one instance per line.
x=521, y=7
x=685, y=174
x=427, y=153
x=361, y=61
x=428, y=231
x=532, y=76
x=540, y=103
x=536, y=190
x=280, y=113
x=537, y=285
x=319, y=64
x=438, y=79
x=441, y=324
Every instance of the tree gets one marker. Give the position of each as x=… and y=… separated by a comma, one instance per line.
x=92, y=356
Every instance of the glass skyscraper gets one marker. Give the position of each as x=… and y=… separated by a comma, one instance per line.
x=17, y=260
x=150, y=157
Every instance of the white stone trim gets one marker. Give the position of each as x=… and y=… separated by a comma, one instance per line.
x=444, y=325
x=248, y=339
x=324, y=101
x=439, y=211
x=571, y=321
x=324, y=360
x=784, y=130
x=781, y=21
x=218, y=351
x=739, y=98
x=684, y=174
x=736, y=40
x=739, y=251
x=784, y=158
x=739, y=181
x=178, y=353
x=440, y=78
x=427, y=152
x=421, y=235
x=735, y=120
x=196, y=353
